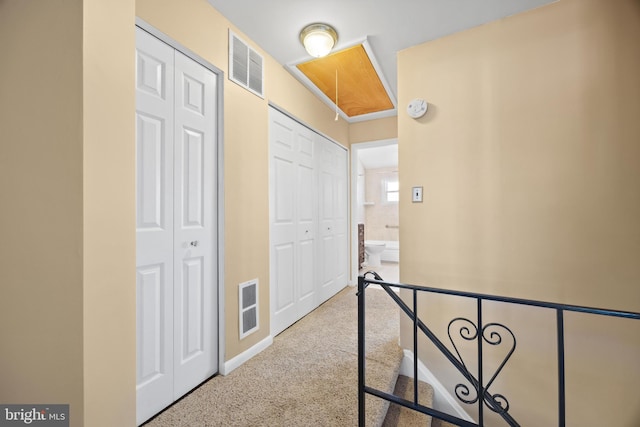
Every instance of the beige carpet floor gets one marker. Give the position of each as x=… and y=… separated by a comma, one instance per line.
x=307, y=377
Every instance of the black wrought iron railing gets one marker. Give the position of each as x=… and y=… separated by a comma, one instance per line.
x=492, y=333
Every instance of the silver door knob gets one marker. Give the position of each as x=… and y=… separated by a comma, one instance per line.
x=194, y=243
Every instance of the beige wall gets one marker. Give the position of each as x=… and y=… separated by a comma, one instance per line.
x=41, y=215
x=67, y=275
x=199, y=27
x=108, y=185
x=530, y=160
x=373, y=130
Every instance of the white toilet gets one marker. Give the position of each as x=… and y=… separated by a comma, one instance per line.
x=373, y=249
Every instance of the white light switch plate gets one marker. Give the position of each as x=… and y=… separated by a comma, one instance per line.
x=416, y=195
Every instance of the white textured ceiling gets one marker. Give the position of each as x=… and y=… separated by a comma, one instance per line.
x=385, y=156
x=389, y=26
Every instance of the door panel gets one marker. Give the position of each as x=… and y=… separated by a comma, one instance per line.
x=293, y=213
x=192, y=179
x=307, y=220
x=151, y=362
x=195, y=296
x=334, y=219
x=283, y=214
x=327, y=217
x=283, y=231
x=306, y=230
x=152, y=65
x=154, y=221
x=284, y=281
x=307, y=273
x=192, y=295
x=151, y=151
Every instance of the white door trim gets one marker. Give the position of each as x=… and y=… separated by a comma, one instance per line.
x=354, y=198
x=286, y=113
x=219, y=167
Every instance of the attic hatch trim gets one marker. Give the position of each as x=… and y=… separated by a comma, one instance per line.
x=293, y=69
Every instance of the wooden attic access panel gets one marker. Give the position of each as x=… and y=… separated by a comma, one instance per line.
x=360, y=90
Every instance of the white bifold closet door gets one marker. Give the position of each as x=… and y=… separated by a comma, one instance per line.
x=309, y=219
x=334, y=220
x=176, y=224
x=294, y=220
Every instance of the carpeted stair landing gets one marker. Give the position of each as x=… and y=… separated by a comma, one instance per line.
x=307, y=377
x=399, y=416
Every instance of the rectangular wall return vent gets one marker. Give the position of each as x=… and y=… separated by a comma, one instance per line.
x=245, y=65
x=248, y=307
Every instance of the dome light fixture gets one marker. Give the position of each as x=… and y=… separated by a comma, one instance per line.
x=318, y=39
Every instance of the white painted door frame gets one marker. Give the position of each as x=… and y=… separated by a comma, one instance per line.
x=354, y=198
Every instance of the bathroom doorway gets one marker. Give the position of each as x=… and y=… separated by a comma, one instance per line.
x=375, y=196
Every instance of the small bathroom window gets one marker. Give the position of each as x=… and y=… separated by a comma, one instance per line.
x=390, y=190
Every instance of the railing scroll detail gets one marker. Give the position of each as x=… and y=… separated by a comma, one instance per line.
x=459, y=330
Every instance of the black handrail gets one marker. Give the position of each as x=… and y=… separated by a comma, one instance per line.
x=496, y=402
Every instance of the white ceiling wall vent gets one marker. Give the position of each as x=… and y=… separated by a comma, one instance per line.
x=245, y=65
x=248, y=297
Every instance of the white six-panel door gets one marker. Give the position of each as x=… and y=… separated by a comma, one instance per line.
x=293, y=153
x=176, y=255
x=308, y=214
x=154, y=224
x=195, y=226
x=334, y=243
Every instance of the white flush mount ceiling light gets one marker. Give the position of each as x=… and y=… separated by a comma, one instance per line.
x=318, y=39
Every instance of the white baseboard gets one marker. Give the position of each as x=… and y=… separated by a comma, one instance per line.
x=442, y=400
x=234, y=363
